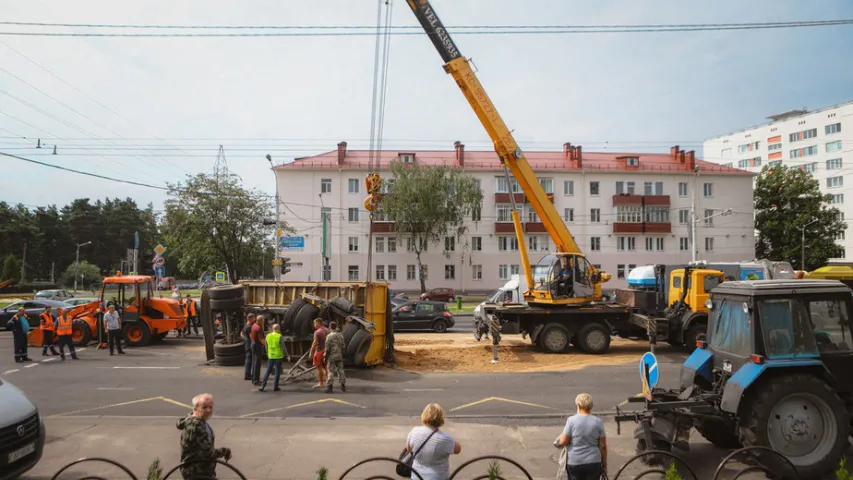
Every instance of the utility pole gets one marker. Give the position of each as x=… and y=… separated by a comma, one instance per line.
x=694, y=251
x=24, y=262
x=803, y=245
x=52, y=269
x=77, y=264
x=276, y=269
x=136, y=253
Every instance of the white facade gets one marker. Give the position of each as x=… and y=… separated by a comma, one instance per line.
x=483, y=260
x=819, y=142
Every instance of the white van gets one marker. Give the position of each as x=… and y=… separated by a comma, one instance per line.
x=511, y=292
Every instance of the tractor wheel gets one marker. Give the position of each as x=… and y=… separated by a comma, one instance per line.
x=358, y=347
x=137, y=334
x=554, y=338
x=81, y=333
x=654, y=460
x=594, y=339
x=225, y=292
x=161, y=336
x=692, y=336
x=227, y=304
x=290, y=314
x=303, y=322
x=718, y=434
x=801, y=417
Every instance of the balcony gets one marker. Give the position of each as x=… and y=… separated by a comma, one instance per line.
x=625, y=227
x=504, y=227
x=383, y=227
x=534, y=227
x=650, y=227
x=651, y=200
x=519, y=198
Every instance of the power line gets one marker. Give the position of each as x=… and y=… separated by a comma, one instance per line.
x=130, y=182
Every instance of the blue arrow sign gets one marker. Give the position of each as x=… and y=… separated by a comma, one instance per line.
x=654, y=374
x=160, y=271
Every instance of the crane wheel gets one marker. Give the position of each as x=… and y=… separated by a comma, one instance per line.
x=594, y=339
x=137, y=334
x=554, y=338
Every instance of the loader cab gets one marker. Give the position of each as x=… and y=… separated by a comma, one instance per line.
x=129, y=294
x=562, y=276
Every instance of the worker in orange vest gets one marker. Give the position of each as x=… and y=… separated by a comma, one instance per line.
x=63, y=331
x=191, y=311
x=48, y=327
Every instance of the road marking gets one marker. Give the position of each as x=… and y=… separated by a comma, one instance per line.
x=499, y=399
x=175, y=402
x=48, y=360
x=147, y=368
x=116, y=388
x=315, y=402
x=7, y=372
x=625, y=402
x=423, y=389
x=32, y=365
x=142, y=400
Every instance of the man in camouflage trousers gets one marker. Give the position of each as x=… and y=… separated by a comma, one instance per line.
x=334, y=357
x=197, y=441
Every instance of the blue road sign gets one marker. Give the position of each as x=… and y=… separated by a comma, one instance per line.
x=654, y=373
x=160, y=271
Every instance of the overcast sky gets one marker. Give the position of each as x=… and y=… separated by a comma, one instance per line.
x=155, y=109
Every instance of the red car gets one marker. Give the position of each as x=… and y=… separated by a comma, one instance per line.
x=439, y=294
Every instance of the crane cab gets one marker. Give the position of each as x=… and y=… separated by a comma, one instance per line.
x=565, y=279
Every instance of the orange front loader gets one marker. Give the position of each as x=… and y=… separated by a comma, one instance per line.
x=84, y=329
x=145, y=318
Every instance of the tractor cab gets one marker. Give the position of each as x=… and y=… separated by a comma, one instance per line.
x=144, y=317
x=563, y=276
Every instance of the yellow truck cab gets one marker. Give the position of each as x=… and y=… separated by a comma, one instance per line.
x=696, y=298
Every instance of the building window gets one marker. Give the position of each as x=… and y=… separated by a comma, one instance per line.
x=840, y=236
x=774, y=163
x=742, y=163
x=514, y=269
x=620, y=270
x=748, y=147
x=593, y=188
x=624, y=188
x=709, y=244
x=476, y=214
x=709, y=219
x=730, y=164
x=504, y=213
x=380, y=244
x=682, y=244
x=503, y=272
x=352, y=273
x=684, y=216
x=380, y=272
x=392, y=273
x=450, y=272
x=595, y=215
x=682, y=189
x=392, y=245
x=833, y=146
x=352, y=185
x=326, y=185
x=533, y=217
x=569, y=214
x=477, y=272
x=410, y=272
x=726, y=152
x=836, y=199
x=410, y=245
x=803, y=152
x=659, y=243
x=533, y=243
x=804, y=135
x=568, y=187
x=653, y=188
x=449, y=244
x=810, y=167
x=834, y=128
x=657, y=214
x=708, y=189
x=650, y=244
x=755, y=162
x=353, y=244
x=629, y=213
x=626, y=244
x=547, y=184
x=833, y=164
x=774, y=146
x=352, y=214
x=595, y=244
x=507, y=243
x=832, y=182
x=476, y=244
x=388, y=185
x=502, y=188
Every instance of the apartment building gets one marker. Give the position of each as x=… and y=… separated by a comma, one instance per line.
x=623, y=210
x=818, y=142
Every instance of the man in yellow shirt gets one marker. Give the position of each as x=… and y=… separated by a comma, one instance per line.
x=275, y=355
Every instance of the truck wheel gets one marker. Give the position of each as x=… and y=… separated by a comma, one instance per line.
x=230, y=360
x=137, y=334
x=81, y=333
x=303, y=322
x=801, y=417
x=358, y=347
x=349, y=331
x=439, y=325
x=233, y=349
x=225, y=292
x=594, y=339
x=554, y=338
x=719, y=434
x=692, y=336
x=227, y=304
x=290, y=314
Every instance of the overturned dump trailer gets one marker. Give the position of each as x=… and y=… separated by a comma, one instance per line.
x=362, y=311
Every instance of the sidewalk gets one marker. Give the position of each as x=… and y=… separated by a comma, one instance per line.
x=295, y=448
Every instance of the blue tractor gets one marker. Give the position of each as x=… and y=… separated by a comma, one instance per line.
x=773, y=370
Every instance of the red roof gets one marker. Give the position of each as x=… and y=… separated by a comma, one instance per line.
x=488, y=160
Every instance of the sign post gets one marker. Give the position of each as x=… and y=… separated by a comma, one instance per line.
x=649, y=373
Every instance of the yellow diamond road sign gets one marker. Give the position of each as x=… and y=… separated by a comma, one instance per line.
x=159, y=249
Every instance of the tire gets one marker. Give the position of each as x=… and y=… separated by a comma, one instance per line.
x=718, y=434
x=358, y=347
x=225, y=292
x=345, y=306
x=137, y=334
x=439, y=325
x=227, y=304
x=810, y=404
x=303, y=322
x=161, y=336
x=654, y=460
x=554, y=338
x=230, y=360
x=594, y=339
x=229, y=350
x=349, y=331
x=81, y=333
x=290, y=314
x=692, y=336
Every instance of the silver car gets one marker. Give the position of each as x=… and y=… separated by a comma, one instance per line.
x=21, y=432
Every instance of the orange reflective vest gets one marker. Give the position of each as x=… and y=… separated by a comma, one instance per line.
x=191, y=307
x=47, y=323
x=63, y=324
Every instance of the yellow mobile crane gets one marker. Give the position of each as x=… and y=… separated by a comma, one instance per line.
x=547, y=285
x=547, y=319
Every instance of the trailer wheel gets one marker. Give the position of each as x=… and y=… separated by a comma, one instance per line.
x=81, y=333
x=349, y=331
x=225, y=292
x=594, y=339
x=227, y=304
x=302, y=323
x=290, y=314
x=801, y=417
x=229, y=350
x=358, y=347
x=554, y=338
x=137, y=334
x=230, y=360
x=719, y=434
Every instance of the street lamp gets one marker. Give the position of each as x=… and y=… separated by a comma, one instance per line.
x=695, y=250
x=803, y=245
x=276, y=269
x=77, y=264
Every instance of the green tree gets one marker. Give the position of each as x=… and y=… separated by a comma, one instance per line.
x=212, y=222
x=430, y=203
x=89, y=275
x=11, y=268
x=786, y=200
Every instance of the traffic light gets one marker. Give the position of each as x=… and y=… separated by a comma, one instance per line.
x=285, y=265
x=268, y=221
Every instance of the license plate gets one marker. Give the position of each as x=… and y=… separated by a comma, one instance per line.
x=22, y=452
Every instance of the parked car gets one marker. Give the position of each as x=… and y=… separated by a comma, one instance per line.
x=80, y=300
x=397, y=301
x=423, y=315
x=34, y=308
x=396, y=294
x=439, y=294
x=60, y=295
x=22, y=433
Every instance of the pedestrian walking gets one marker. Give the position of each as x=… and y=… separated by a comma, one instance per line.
x=275, y=355
x=191, y=310
x=48, y=328
x=63, y=332
x=430, y=447
x=176, y=296
x=258, y=345
x=19, y=325
x=198, y=447
x=585, y=442
x=247, y=343
x=334, y=358
x=318, y=348
x=112, y=323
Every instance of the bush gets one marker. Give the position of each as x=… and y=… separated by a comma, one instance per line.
x=672, y=473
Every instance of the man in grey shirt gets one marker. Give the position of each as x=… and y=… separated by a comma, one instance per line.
x=585, y=442
x=112, y=322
